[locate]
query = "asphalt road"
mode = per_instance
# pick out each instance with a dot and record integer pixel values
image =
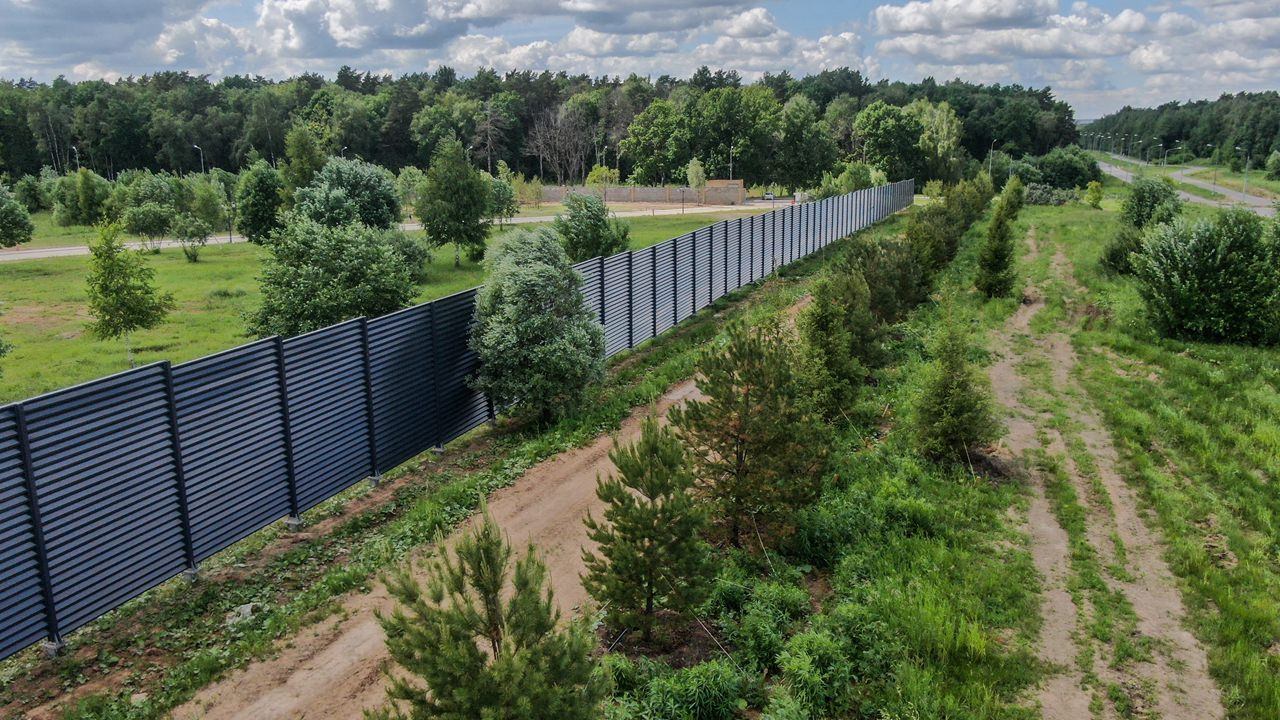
(19, 254)
(1262, 206)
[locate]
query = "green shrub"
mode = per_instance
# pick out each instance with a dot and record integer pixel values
(628, 676)
(951, 412)
(15, 224)
(817, 672)
(784, 706)
(933, 189)
(1068, 168)
(840, 339)
(587, 230)
(192, 234)
(712, 690)
(258, 201)
(1150, 201)
(1212, 280)
(31, 194)
(1272, 166)
(356, 190)
(1093, 195)
(80, 198)
(1117, 254)
(150, 220)
(896, 280)
(768, 617)
(538, 344)
(996, 273)
(1040, 194)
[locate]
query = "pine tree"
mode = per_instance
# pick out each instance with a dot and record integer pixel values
(757, 449)
(650, 554)
(996, 274)
(122, 296)
(952, 409)
(840, 338)
(484, 642)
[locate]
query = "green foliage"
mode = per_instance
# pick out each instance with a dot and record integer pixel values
(934, 231)
(344, 185)
(122, 294)
(258, 201)
(840, 338)
(453, 203)
(712, 690)
(318, 275)
(1042, 194)
(695, 174)
(475, 650)
(1012, 197)
(80, 198)
(933, 189)
(15, 224)
(1213, 280)
(896, 280)
(1067, 168)
(602, 177)
(939, 143)
(207, 201)
(135, 188)
(538, 344)
(853, 176)
(192, 233)
(305, 156)
(150, 220)
(502, 197)
(889, 137)
(805, 150)
(587, 230)
(758, 451)
(1117, 255)
(1150, 201)
(997, 275)
(31, 194)
(1272, 167)
(1093, 195)
(817, 672)
(408, 182)
(657, 143)
(651, 556)
(951, 412)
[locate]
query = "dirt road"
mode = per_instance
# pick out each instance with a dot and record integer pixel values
(335, 670)
(1162, 670)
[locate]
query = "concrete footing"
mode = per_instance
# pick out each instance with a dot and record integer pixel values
(293, 523)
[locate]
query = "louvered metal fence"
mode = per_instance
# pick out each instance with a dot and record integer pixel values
(111, 487)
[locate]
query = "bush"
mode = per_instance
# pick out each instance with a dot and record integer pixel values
(31, 194)
(414, 251)
(817, 673)
(951, 412)
(15, 224)
(1068, 168)
(80, 198)
(317, 276)
(1117, 255)
(258, 201)
(453, 203)
(784, 706)
(538, 344)
(587, 230)
(712, 690)
(767, 618)
(192, 234)
(122, 295)
(996, 274)
(1038, 194)
(150, 220)
(1213, 280)
(630, 675)
(896, 281)
(1150, 201)
(1093, 195)
(933, 189)
(840, 341)
(368, 190)
(330, 206)
(1272, 166)
(851, 177)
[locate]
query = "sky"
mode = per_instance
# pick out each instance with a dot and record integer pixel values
(1098, 55)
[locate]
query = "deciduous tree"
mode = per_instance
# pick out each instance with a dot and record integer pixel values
(122, 295)
(258, 201)
(453, 203)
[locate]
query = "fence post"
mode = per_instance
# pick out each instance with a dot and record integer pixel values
(600, 285)
(653, 284)
(53, 645)
(631, 301)
(376, 477)
(693, 274)
(294, 520)
(740, 252)
(438, 447)
(180, 478)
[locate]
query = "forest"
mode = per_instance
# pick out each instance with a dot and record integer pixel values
(1231, 130)
(547, 124)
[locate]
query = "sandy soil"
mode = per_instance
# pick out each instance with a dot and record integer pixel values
(335, 670)
(1175, 683)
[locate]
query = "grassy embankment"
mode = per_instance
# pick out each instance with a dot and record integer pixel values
(43, 309)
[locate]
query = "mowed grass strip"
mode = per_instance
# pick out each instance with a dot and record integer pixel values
(44, 310)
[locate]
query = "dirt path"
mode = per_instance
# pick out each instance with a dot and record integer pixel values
(335, 669)
(1171, 680)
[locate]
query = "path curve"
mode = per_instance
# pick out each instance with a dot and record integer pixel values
(1259, 205)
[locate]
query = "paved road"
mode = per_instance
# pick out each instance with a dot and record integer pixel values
(17, 254)
(1262, 206)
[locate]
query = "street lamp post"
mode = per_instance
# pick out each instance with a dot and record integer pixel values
(201, 156)
(343, 151)
(76, 150)
(1247, 157)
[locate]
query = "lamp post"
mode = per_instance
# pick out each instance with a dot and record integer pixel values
(201, 156)
(76, 150)
(343, 151)
(1247, 157)
(990, 153)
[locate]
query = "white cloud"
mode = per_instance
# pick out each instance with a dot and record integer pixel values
(945, 16)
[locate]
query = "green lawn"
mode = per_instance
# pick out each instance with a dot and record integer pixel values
(43, 307)
(1258, 183)
(50, 234)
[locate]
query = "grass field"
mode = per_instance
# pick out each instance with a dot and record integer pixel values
(1258, 183)
(1197, 427)
(43, 307)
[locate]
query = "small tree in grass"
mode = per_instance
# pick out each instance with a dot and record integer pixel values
(951, 412)
(149, 220)
(696, 174)
(502, 197)
(482, 639)
(996, 273)
(192, 234)
(840, 341)
(650, 554)
(318, 275)
(602, 177)
(15, 223)
(757, 449)
(539, 346)
(587, 231)
(1093, 195)
(258, 201)
(122, 296)
(453, 203)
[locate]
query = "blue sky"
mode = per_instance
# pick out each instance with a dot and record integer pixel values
(1099, 55)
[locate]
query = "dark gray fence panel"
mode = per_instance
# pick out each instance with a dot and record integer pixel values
(644, 281)
(591, 290)
(665, 289)
(461, 409)
(617, 303)
(685, 277)
(402, 375)
(230, 415)
(769, 251)
(328, 410)
(22, 600)
(734, 277)
(104, 466)
(702, 267)
(719, 254)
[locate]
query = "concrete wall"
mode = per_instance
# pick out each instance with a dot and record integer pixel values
(643, 194)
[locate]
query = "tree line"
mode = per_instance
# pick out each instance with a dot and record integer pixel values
(551, 125)
(1231, 129)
